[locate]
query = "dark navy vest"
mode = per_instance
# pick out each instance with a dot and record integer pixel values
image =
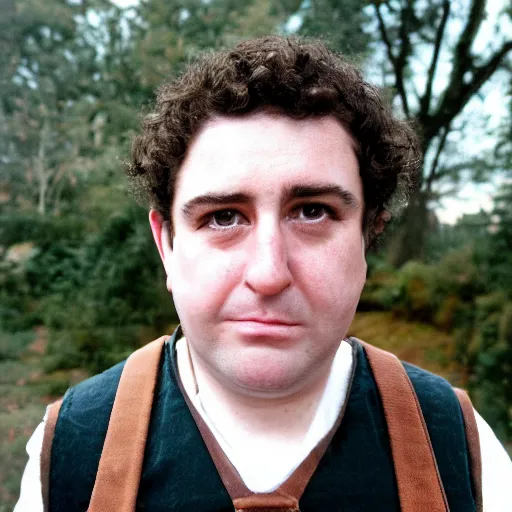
(355, 475)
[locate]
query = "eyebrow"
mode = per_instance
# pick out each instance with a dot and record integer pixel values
(301, 191)
(290, 193)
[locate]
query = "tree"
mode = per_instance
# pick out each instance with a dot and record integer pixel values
(41, 82)
(168, 33)
(66, 82)
(412, 32)
(339, 23)
(434, 59)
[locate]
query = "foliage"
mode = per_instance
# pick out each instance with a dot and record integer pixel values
(467, 292)
(417, 343)
(341, 24)
(492, 339)
(97, 293)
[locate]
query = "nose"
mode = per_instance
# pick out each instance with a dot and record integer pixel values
(267, 270)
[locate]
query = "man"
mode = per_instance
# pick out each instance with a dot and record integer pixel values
(269, 169)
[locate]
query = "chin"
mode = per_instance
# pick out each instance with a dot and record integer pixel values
(264, 375)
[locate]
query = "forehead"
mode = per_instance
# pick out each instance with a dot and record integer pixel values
(263, 152)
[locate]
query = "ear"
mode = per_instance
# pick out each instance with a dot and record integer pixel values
(381, 221)
(376, 224)
(160, 230)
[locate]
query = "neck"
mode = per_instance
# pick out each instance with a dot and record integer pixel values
(284, 419)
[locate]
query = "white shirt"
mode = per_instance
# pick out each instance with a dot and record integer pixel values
(267, 470)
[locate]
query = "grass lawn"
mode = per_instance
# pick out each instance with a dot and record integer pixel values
(415, 343)
(24, 393)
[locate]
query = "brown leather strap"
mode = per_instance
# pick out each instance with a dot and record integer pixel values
(46, 451)
(419, 484)
(473, 445)
(274, 502)
(120, 466)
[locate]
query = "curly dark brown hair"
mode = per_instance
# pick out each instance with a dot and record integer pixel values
(300, 78)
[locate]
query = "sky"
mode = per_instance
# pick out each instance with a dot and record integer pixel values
(471, 197)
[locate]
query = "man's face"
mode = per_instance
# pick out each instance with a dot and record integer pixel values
(268, 263)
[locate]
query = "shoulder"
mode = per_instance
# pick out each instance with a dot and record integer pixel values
(90, 400)
(78, 439)
(86, 407)
(431, 389)
(445, 424)
(437, 399)
(439, 403)
(93, 394)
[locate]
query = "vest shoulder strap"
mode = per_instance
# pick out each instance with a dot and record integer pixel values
(419, 485)
(475, 456)
(401, 406)
(120, 466)
(46, 451)
(118, 476)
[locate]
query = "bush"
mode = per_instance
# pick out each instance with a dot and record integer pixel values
(96, 292)
(109, 293)
(381, 291)
(448, 312)
(92, 349)
(13, 345)
(456, 295)
(42, 231)
(416, 282)
(490, 354)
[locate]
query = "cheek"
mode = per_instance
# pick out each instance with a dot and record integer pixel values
(202, 278)
(337, 278)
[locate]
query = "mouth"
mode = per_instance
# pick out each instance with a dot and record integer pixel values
(265, 328)
(266, 321)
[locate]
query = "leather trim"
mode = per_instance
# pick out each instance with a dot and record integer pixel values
(473, 439)
(297, 482)
(46, 451)
(419, 484)
(120, 466)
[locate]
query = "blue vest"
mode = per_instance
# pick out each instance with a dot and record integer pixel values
(355, 474)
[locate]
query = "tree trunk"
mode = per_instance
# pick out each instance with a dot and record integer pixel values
(408, 243)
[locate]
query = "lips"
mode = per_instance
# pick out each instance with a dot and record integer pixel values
(265, 329)
(267, 321)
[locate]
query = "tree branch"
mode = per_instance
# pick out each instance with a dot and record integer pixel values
(427, 97)
(463, 58)
(433, 169)
(471, 165)
(405, 50)
(398, 62)
(482, 73)
(462, 62)
(384, 34)
(39, 165)
(457, 96)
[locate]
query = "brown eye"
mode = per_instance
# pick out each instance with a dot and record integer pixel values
(223, 219)
(313, 211)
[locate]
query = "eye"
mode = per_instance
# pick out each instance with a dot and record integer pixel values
(313, 212)
(222, 219)
(230, 219)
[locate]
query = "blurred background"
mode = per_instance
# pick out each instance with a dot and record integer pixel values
(81, 285)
